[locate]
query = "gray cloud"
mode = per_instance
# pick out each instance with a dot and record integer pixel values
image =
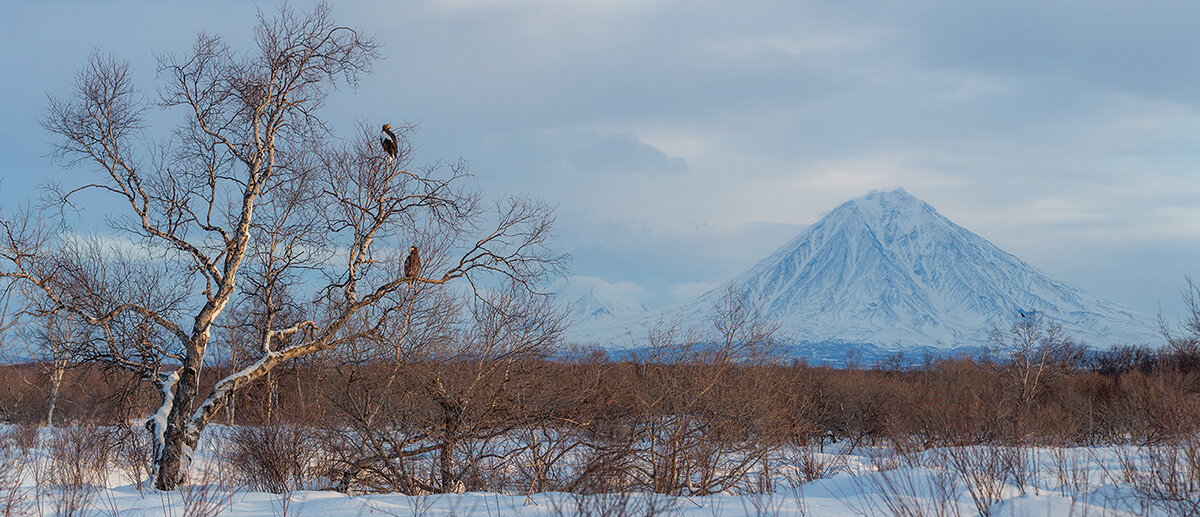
(621, 153)
(670, 133)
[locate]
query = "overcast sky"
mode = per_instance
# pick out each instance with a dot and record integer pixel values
(684, 140)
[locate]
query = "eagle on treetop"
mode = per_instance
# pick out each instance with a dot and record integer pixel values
(388, 139)
(412, 265)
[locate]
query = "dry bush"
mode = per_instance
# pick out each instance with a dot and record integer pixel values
(618, 504)
(767, 504)
(210, 492)
(1071, 417)
(542, 453)
(132, 453)
(805, 464)
(1070, 472)
(959, 404)
(14, 499)
(16, 397)
(907, 492)
(373, 406)
(604, 465)
(14, 460)
(1122, 359)
(24, 436)
(946, 402)
(208, 495)
(424, 404)
(1157, 407)
(863, 402)
(1166, 476)
(983, 469)
(276, 459)
(79, 466)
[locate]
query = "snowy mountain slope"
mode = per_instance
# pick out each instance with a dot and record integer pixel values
(888, 270)
(591, 306)
(594, 300)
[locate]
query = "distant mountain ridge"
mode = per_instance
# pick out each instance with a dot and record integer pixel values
(593, 300)
(591, 306)
(887, 270)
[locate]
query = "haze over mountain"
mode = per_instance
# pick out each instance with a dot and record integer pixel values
(888, 270)
(591, 299)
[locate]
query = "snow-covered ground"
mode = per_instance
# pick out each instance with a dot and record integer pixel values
(1117, 480)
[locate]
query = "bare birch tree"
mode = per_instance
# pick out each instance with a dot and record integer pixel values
(51, 342)
(1032, 348)
(251, 200)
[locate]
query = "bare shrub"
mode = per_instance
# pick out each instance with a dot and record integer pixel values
(1031, 353)
(982, 469)
(605, 465)
(79, 466)
(762, 504)
(947, 402)
(1020, 465)
(805, 464)
(885, 458)
(1070, 472)
(541, 456)
(132, 454)
(1166, 476)
(24, 436)
(53, 341)
(555, 427)
(14, 498)
(207, 498)
(459, 377)
(619, 504)
(274, 459)
(210, 493)
(907, 492)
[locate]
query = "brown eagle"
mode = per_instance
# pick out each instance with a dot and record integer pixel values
(412, 265)
(388, 139)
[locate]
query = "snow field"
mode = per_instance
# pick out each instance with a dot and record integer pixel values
(37, 478)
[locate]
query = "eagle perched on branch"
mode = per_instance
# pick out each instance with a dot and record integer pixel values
(412, 265)
(388, 139)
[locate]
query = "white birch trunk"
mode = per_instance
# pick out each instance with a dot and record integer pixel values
(156, 424)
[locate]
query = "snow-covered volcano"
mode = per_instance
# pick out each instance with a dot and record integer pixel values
(593, 300)
(890, 271)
